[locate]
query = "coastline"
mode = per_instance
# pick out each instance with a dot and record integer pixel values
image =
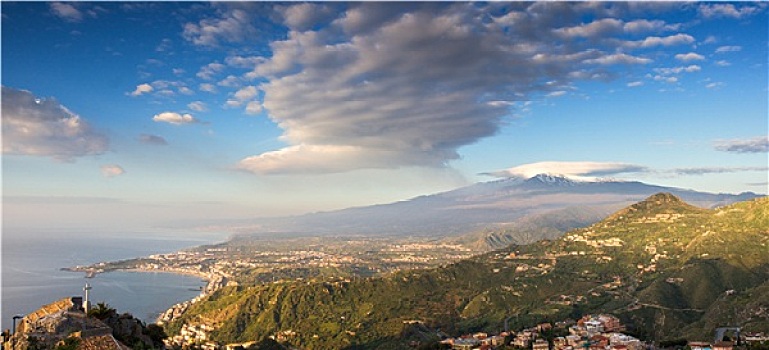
(214, 278)
(33, 275)
(214, 282)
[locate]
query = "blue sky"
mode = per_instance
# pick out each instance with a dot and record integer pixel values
(146, 114)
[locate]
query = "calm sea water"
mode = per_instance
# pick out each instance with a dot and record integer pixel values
(31, 275)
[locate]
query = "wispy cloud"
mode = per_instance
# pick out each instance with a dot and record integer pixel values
(43, 127)
(66, 11)
(112, 170)
(723, 49)
(758, 144)
(152, 140)
(197, 106)
(715, 170)
(730, 10)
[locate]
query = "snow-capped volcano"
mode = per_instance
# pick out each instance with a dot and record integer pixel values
(557, 180)
(488, 204)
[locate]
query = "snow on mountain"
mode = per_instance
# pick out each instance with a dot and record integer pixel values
(483, 205)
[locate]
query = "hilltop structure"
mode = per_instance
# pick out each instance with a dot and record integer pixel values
(60, 321)
(72, 323)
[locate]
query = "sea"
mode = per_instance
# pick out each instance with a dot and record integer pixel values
(32, 275)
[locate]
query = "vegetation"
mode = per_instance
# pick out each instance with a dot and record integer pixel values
(667, 269)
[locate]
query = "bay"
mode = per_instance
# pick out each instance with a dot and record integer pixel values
(31, 275)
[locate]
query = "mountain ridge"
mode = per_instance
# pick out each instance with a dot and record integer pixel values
(481, 206)
(644, 270)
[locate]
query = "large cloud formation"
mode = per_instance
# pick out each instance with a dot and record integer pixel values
(386, 85)
(43, 127)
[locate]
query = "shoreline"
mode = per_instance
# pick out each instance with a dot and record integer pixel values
(214, 281)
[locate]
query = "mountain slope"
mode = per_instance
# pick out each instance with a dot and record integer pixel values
(485, 206)
(661, 265)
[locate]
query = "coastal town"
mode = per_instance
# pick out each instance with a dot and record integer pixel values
(591, 332)
(252, 262)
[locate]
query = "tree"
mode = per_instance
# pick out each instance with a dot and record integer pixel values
(102, 311)
(156, 333)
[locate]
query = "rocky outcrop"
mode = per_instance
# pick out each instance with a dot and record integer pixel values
(65, 322)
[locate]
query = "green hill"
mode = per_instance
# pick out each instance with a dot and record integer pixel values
(664, 267)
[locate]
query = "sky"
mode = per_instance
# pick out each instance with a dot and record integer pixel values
(148, 114)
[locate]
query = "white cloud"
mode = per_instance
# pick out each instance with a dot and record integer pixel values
(715, 170)
(186, 91)
(174, 118)
(229, 81)
(305, 15)
(758, 144)
(233, 24)
(670, 80)
(556, 93)
(67, 12)
(714, 85)
(728, 10)
(691, 56)
(728, 48)
(43, 127)
(165, 45)
(677, 70)
(419, 80)
(643, 25)
(596, 28)
(207, 87)
(246, 93)
(208, 71)
(575, 170)
(243, 62)
(246, 96)
(635, 83)
(112, 170)
(254, 107)
(197, 106)
(142, 89)
(319, 159)
(652, 41)
(619, 58)
(723, 63)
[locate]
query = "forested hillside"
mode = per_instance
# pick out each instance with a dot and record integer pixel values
(667, 269)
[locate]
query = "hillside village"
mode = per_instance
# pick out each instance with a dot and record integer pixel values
(52, 327)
